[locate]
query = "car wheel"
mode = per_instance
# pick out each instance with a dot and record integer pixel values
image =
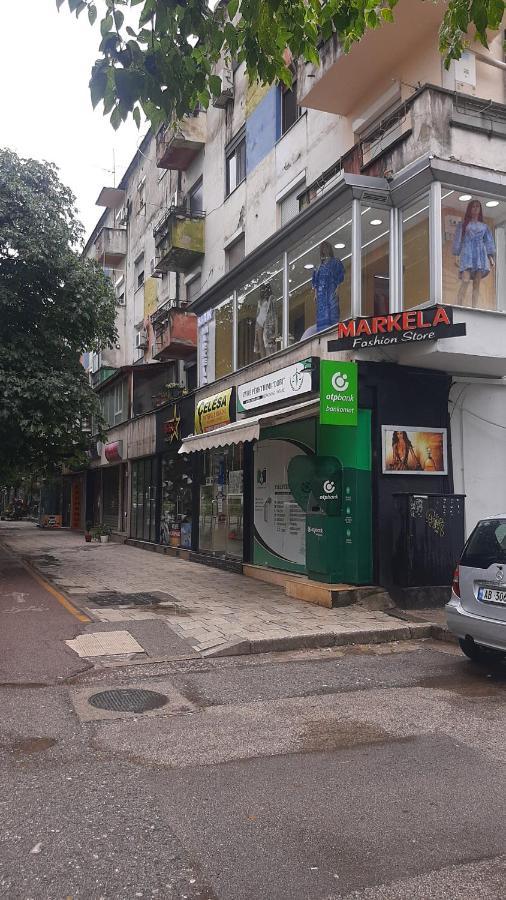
(474, 651)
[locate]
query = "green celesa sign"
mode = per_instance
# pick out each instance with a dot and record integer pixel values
(338, 393)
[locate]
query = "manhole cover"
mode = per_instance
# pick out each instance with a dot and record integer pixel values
(128, 700)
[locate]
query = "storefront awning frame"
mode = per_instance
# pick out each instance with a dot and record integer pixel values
(247, 429)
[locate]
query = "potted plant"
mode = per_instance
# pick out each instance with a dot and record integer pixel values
(101, 533)
(87, 532)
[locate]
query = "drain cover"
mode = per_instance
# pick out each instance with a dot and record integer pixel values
(133, 700)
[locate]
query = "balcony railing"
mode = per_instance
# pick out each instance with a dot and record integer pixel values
(111, 247)
(179, 240)
(178, 144)
(177, 336)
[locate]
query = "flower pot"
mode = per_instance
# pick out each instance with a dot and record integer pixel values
(87, 537)
(104, 538)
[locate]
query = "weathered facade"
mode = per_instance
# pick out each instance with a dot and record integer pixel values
(242, 236)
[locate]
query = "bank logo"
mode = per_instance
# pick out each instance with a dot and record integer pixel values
(340, 382)
(329, 487)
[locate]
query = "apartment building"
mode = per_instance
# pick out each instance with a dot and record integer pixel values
(351, 229)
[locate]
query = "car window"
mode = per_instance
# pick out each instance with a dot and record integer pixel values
(486, 545)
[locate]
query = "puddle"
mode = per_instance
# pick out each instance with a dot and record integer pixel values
(324, 736)
(27, 746)
(47, 560)
(469, 684)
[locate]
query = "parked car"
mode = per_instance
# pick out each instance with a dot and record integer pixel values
(476, 612)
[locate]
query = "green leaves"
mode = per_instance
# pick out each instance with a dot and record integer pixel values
(174, 46)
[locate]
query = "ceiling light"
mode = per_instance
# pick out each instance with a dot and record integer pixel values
(339, 246)
(464, 198)
(308, 266)
(491, 203)
(376, 221)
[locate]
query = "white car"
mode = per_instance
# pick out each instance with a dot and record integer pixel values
(476, 612)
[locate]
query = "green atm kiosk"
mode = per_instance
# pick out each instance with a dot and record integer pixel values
(333, 487)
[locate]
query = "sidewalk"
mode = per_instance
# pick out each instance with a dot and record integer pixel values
(174, 608)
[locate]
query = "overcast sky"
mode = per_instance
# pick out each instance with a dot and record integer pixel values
(45, 107)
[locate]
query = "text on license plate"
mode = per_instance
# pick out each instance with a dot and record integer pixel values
(489, 595)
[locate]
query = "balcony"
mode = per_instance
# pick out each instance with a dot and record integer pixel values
(111, 247)
(179, 240)
(178, 144)
(177, 337)
(344, 82)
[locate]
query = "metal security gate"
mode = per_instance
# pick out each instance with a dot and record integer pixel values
(144, 499)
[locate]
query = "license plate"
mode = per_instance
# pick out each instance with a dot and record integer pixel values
(489, 595)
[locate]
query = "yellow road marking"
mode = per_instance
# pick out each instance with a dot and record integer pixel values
(56, 594)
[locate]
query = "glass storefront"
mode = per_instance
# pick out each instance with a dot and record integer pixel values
(260, 315)
(176, 501)
(221, 501)
(319, 279)
(375, 239)
(416, 252)
(216, 342)
(143, 499)
(474, 244)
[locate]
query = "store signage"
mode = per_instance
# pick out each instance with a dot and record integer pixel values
(420, 325)
(215, 411)
(282, 384)
(338, 393)
(171, 427)
(114, 451)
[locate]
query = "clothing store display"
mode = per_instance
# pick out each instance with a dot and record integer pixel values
(326, 280)
(266, 324)
(474, 248)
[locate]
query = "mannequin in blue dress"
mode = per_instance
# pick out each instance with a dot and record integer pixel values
(474, 248)
(326, 280)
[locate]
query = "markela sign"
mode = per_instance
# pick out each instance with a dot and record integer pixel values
(364, 333)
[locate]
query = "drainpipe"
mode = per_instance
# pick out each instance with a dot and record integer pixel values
(489, 60)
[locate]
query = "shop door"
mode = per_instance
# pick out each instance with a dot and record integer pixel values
(110, 490)
(221, 503)
(144, 495)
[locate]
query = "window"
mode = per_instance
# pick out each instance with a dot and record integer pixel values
(234, 254)
(289, 206)
(260, 314)
(139, 271)
(193, 289)
(375, 227)
(235, 162)
(474, 248)
(415, 252)
(320, 279)
(196, 197)
(290, 112)
(114, 404)
(141, 196)
(216, 342)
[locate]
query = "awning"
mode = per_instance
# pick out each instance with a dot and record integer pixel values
(245, 430)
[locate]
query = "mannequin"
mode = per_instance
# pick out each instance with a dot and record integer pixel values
(326, 279)
(266, 324)
(474, 248)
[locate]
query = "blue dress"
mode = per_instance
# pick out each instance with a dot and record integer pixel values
(474, 248)
(325, 280)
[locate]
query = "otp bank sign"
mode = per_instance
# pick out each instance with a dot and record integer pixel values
(338, 393)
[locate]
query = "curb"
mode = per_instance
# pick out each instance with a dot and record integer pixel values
(409, 631)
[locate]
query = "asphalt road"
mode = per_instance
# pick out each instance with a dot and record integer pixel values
(371, 773)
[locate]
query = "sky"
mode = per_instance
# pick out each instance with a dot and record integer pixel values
(45, 107)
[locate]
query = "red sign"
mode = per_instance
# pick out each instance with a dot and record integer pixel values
(428, 324)
(114, 451)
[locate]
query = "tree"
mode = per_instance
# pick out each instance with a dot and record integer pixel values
(159, 56)
(54, 305)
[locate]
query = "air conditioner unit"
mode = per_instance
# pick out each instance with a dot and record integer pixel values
(141, 340)
(152, 268)
(227, 89)
(122, 215)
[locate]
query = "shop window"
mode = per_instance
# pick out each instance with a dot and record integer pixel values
(235, 162)
(260, 315)
(473, 230)
(375, 230)
(176, 501)
(319, 279)
(415, 253)
(221, 502)
(216, 342)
